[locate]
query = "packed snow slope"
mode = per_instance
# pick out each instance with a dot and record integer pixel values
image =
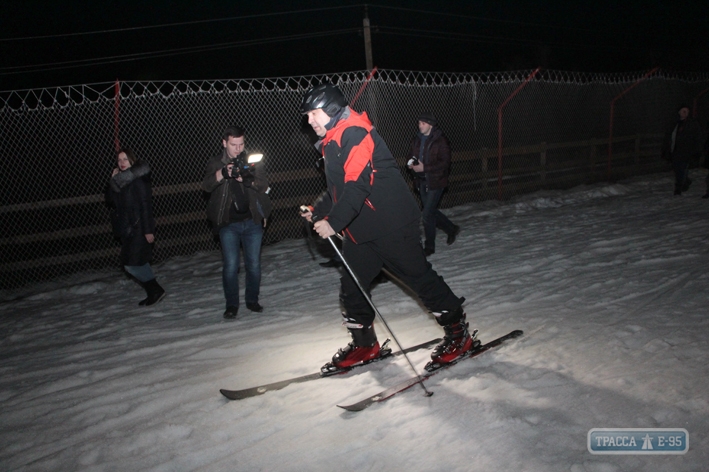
(608, 282)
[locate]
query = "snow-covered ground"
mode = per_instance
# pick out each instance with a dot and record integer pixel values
(609, 283)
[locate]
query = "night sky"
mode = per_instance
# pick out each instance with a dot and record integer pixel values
(44, 44)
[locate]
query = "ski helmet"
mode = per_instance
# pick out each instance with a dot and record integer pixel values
(325, 96)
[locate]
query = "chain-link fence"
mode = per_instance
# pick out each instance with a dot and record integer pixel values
(58, 148)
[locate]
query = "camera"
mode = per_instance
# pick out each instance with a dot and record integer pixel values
(244, 166)
(414, 161)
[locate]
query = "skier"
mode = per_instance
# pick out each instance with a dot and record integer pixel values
(369, 202)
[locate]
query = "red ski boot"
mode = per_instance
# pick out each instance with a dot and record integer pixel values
(363, 348)
(456, 343)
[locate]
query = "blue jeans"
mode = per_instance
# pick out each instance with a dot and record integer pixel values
(247, 234)
(432, 216)
(142, 273)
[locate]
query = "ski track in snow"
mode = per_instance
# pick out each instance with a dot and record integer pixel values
(607, 281)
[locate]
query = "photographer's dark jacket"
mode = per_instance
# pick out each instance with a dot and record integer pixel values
(367, 196)
(436, 158)
(129, 193)
(683, 141)
(224, 194)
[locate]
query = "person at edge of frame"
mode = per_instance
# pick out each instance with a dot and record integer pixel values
(369, 202)
(683, 142)
(706, 161)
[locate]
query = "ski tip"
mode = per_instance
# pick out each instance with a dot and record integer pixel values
(516, 333)
(353, 408)
(226, 393)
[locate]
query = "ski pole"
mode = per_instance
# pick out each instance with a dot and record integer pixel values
(309, 241)
(371, 303)
(304, 209)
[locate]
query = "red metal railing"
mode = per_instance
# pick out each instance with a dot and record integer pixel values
(694, 104)
(499, 130)
(364, 85)
(610, 127)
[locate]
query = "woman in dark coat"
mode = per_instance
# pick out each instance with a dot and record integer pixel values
(130, 193)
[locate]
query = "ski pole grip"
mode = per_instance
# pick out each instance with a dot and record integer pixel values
(305, 209)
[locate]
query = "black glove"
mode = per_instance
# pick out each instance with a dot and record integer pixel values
(225, 173)
(248, 179)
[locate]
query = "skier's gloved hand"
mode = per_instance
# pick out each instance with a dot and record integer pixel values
(306, 212)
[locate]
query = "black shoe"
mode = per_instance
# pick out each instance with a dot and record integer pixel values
(428, 251)
(155, 293)
(453, 235)
(231, 312)
(254, 307)
(706, 195)
(331, 263)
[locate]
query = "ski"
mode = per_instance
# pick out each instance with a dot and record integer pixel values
(406, 384)
(260, 390)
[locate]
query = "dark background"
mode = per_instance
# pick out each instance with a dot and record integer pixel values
(44, 44)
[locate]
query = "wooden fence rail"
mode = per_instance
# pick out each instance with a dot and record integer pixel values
(474, 178)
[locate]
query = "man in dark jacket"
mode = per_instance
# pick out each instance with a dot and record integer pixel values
(683, 143)
(430, 159)
(369, 202)
(238, 208)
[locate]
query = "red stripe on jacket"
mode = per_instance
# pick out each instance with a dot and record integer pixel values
(361, 154)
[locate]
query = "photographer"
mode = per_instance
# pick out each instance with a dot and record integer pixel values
(238, 209)
(430, 159)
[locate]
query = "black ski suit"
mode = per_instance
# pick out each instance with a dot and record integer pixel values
(368, 200)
